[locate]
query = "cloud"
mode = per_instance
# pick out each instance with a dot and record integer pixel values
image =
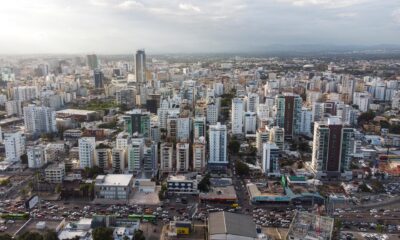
(129, 5)
(347, 15)
(324, 3)
(189, 7)
(396, 16)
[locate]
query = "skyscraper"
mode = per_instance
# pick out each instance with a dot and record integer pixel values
(92, 61)
(87, 146)
(14, 144)
(288, 113)
(138, 122)
(237, 115)
(140, 61)
(332, 148)
(98, 78)
(270, 156)
(218, 143)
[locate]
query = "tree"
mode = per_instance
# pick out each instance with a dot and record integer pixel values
(139, 235)
(58, 188)
(304, 147)
(102, 233)
(50, 235)
(242, 168)
(234, 146)
(31, 236)
(204, 184)
(161, 193)
(24, 159)
(366, 117)
(5, 237)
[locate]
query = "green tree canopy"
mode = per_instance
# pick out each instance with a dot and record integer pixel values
(102, 233)
(242, 168)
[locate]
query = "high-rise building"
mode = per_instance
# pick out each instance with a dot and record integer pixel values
(217, 144)
(270, 159)
(199, 155)
(87, 145)
(150, 157)
(199, 128)
(102, 158)
(137, 122)
(250, 122)
(237, 116)
(118, 160)
(39, 119)
(92, 61)
(288, 113)
(277, 136)
(252, 102)
(262, 136)
(14, 107)
(14, 144)
(182, 157)
(166, 157)
(140, 70)
(305, 123)
(35, 156)
(333, 147)
(98, 78)
(183, 129)
(212, 112)
(135, 155)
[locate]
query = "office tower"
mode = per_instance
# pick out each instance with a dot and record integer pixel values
(125, 97)
(87, 145)
(199, 155)
(288, 113)
(199, 128)
(166, 157)
(135, 155)
(237, 116)
(39, 119)
(252, 102)
(217, 144)
(92, 61)
(305, 122)
(102, 158)
(98, 78)
(140, 61)
(182, 157)
(155, 132)
(35, 156)
(270, 159)
(212, 112)
(118, 160)
(137, 122)
(250, 122)
(262, 136)
(14, 144)
(150, 157)
(183, 129)
(333, 147)
(277, 136)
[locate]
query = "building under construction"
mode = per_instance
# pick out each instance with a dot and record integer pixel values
(310, 226)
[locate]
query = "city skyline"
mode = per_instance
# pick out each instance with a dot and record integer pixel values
(120, 26)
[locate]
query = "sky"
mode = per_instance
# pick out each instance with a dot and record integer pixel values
(196, 26)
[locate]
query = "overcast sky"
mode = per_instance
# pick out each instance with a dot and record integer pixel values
(175, 26)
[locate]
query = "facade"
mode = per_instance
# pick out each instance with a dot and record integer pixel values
(55, 173)
(182, 157)
(237, 113)
(333, 147)
(305, 122)
(87, 145)
(138, 122)
(217, 144)
(102, 158)
(181, 184)
(14, 144)
(166, 157)
(118, 160)
(252, 102)
(250, 122)
(199, 156)
(183, 129)
(288, 113)
(35, 156)
(135, 155)
(113, 187)
(199, 128)
(270, 159)
(92, 61)
(277, 136)
(212, 112)
(39, 119)
(262, 136)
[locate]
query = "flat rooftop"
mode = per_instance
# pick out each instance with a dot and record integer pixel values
(311, 226)
(227, 193)
(75, 112)
(114, 179)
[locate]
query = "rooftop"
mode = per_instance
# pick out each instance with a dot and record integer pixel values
(75, 112)
(231, 223)
(311, 226)
(114, 179)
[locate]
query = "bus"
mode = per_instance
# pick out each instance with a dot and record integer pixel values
(15, 216)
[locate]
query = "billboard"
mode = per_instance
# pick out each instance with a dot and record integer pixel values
(31, 202)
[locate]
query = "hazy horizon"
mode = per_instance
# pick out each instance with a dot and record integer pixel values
(224, 26)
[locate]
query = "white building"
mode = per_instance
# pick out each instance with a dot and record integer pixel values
(270, 159)
(217, 144)
(14, 108)
(55, 173)
(181, 184)
(362, 100)
(237, 112)
(277, 136)
(252, 102)
(135, 155)
(113, 186)
(123, 140)
(199, 156)
(87, 145)
(212, 112)
(14, 144)
(35, 156)
(262, 136)
(182, 157)
(39, 119)
(183, 130)
(166, 157)
(250, 122)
